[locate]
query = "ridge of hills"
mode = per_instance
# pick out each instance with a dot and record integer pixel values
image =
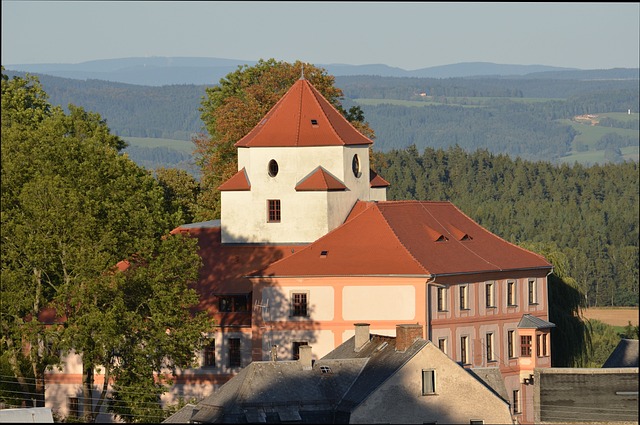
(158, 71)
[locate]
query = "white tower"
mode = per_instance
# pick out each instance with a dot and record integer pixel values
(300, 171)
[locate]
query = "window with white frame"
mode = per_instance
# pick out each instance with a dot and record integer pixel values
(541, 345)
(442, 344)
(464, 297)
(516, 401)
(464, 349)
(533, 291)
(428, 381)
(511, 293)
(442, 298)
(489, 346)
(511, 349)
(299, 304)
(273, 210)
(490, 299)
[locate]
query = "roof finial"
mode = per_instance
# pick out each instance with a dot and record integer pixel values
(302, 72)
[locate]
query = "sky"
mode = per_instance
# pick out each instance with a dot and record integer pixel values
(407, 35)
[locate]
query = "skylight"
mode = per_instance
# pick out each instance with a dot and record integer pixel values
(325, 369)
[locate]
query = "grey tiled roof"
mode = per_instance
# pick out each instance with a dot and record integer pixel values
(182, 416)
(201, 224)
(624, 355)
(491, 378)
(532, 322)
(382, 362)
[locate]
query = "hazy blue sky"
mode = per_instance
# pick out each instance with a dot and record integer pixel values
(406, 35)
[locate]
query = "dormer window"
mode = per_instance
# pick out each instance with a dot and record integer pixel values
(273, 168)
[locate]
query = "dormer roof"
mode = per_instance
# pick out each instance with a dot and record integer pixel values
(303, 117)
(320, 180)
(239, 181)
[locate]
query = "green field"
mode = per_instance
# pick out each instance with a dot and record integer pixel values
(179, 145)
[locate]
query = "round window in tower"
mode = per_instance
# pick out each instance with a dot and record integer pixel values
(273, 168)
(355, 166)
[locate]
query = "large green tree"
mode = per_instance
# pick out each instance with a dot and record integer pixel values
(88, 264)
(233, 107)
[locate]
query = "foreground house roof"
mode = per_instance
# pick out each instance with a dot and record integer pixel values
(624, 355)
(303, 117)
(406, 238)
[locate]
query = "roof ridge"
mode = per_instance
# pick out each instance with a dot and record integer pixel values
(300, 81)
(315, 93)
(377, 207)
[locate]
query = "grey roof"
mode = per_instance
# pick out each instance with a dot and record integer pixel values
(202, 225)
(183, 415)
(491, 378)
(624, 355)
(27, 415)
(382, 362)
(532, 322)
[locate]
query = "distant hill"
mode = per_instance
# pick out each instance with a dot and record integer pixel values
(158, 71)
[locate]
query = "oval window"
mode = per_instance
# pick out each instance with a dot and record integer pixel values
(355, 166)
(273, 168)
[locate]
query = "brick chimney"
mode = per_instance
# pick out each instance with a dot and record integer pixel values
(305, 357)
(362, 336)
(406, 334)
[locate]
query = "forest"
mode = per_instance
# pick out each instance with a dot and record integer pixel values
(589, 214)
(492, 146)
(523, 116)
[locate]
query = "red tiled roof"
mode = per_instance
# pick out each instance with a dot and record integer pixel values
(376, 181)
(239, 181)
(320, 180)
(303, 117)
(403, 238)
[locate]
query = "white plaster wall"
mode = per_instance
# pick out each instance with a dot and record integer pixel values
(382, 303)
(378, 194)
(305, 216)
(321, 342)
(320, 301)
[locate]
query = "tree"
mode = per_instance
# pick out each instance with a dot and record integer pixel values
(180, 192)
(231, 109)
(73, 207)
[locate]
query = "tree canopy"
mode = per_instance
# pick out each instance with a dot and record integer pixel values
(88, 264)
(231, 109)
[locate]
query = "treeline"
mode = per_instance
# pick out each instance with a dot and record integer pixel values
(167, 112)
(373, 87)
(589, 213)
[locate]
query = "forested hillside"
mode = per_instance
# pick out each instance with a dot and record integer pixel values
(589, 213)
(524, 116)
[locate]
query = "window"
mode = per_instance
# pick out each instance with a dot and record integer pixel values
(273, 168)
(210, 354)
(274, 210)
(229, 303)
(516, 401)
(299, 302)
(510, 344)
(525, 346)
(428, 381)
(74, 407)
(511, 293)
(541, 345)
(490, 297)
(489, 341)
(464, 349)
(442, 344)
(355, 166)
(533, 299)
(295, 349)
(442, 299)
(235, 359)
(464, 297)
(476, 421)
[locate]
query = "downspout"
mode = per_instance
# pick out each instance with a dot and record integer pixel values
(428, 284)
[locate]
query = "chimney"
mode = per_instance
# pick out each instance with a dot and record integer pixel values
(305, 357)
(406, 334)
(362, 336)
